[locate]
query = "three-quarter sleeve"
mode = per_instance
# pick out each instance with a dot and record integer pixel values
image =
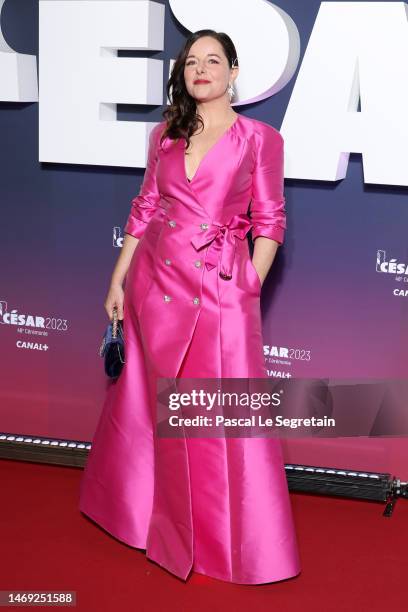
(267, 207)
(144, 205)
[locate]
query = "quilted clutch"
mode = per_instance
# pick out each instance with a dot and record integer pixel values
(112, 349)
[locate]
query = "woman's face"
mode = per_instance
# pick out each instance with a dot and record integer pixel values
(206, 71)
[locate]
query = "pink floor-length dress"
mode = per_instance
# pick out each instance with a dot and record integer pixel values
(217, 506)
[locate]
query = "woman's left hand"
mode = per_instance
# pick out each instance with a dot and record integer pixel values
(263, 256)
(260, 276)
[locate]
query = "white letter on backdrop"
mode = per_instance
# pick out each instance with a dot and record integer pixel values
(82, 79)
(357, 50)
(18, 71)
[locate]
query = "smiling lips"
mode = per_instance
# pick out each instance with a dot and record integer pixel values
(200, 82)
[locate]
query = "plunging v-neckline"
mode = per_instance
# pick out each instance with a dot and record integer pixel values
(190, 180)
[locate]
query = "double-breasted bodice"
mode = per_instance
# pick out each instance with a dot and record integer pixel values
(189, 228)
(243, 168)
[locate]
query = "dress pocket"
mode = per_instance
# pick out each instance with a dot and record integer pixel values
(255, 274)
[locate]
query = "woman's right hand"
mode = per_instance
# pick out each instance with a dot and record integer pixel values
(115, 297)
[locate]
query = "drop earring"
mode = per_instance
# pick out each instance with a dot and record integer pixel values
(231, 91)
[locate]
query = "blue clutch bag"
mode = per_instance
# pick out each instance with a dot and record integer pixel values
(112, 349)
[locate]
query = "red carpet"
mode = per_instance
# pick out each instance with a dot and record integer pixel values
(353, 559)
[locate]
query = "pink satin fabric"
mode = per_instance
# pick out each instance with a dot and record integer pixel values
(217, 506)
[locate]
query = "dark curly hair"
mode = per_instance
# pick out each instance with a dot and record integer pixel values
(181, 115)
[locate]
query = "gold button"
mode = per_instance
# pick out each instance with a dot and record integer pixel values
(197, 263)
(172, 223)
(196, 300)
(167, 262)
(167, 298)
(204, 226)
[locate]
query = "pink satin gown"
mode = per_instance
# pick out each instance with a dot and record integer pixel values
(217, 506)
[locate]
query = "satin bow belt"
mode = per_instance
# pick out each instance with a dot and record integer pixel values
(222, 240)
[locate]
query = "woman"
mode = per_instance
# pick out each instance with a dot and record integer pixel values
(191, 308)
